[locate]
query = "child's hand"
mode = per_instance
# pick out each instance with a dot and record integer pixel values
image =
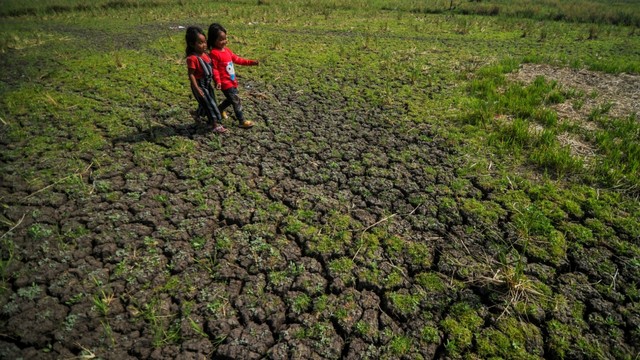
(257, 62)
(201, 92)
(218, 86)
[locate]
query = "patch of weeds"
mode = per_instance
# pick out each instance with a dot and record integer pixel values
(164, 327)
(619, 143)
(75, 299)
(367, 245)
(430, 282)
(102, 302)
(394, 278)
(492, 342)
(32, 292)
(572, 208)
(551, 210)
(198, 170)
(325, 245)
(108, 331)
(486, 213)
(513, 136)
(217, 305)
(599, 229)
(430, 334)
(273, 212)
(459, 327)
(39, 231)
(210, 264)
(538, 236)
(557, 159)
(70, 322)
(76, 233)
(393, 245)
(321, 303)
(263, 253)
(342, 268)
(172, 284)
(198, 242)
(579, 234)
(197, 328)
(370, 274)
(567, 341)
(363, 328)
(632, 291)
(300, 303)
(420, 255)
(399, 346)
(102, 186)
(404, 304)
(75, 186)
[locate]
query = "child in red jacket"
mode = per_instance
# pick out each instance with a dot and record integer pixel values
(224, 74)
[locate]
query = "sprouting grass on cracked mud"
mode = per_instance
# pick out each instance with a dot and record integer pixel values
(424, 181)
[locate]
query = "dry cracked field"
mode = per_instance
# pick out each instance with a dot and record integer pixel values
(321, 233)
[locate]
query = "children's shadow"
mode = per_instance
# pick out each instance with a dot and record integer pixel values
(161, 131)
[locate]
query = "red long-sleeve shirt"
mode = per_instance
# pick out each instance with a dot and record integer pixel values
(194, 64)
(223, 70)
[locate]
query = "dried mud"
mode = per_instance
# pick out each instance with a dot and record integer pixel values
(236, 247)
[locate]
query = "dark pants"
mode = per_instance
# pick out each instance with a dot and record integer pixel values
(233, 99)
(207, 104)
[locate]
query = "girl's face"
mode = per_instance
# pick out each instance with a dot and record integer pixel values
(200, 45)
(221, 42)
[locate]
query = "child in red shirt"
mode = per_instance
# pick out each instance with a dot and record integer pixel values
(200, 77)
(224, 72)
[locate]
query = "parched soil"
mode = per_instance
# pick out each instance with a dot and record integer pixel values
(320, 233)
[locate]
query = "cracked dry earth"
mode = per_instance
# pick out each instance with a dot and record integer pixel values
(317, 234)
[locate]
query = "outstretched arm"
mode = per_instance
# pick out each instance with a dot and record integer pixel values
(242, 61)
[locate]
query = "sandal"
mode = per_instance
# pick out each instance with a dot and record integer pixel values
(246, 124)
(219, 129)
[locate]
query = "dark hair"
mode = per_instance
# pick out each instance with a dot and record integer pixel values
(214, 32)
(191, 37)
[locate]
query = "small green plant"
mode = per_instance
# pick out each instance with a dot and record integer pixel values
(197, 328)
(405, 304)
(459, 327)
(75, 299)
(32, 292)
(430, 334)
(198, 242)
(102, 302)
(300, 303)
(400, 345)
(362, 328)
(210, 264)
(39, 231)
(108, 331)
